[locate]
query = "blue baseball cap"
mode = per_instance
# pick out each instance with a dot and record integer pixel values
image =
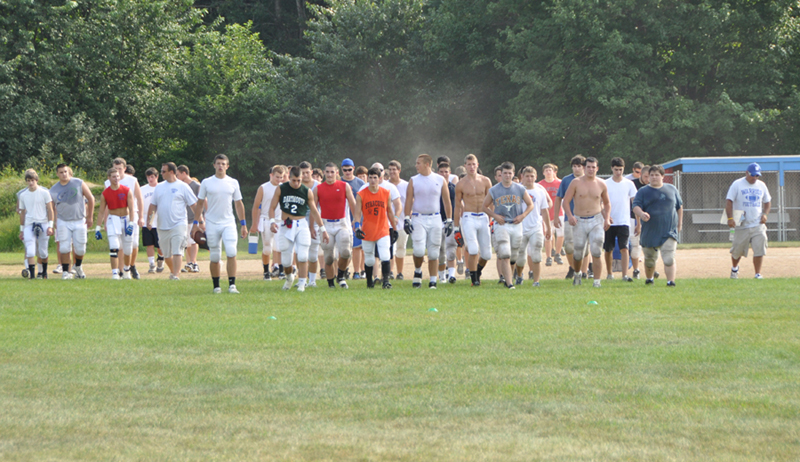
(754, 169)
(348, 163)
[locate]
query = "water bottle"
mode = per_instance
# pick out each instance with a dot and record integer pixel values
(732, 232)
(252, 244)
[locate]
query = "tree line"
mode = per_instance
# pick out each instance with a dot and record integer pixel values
(278, 81)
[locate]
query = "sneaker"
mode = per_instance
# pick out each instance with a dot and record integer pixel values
(399, 276)
(343, 284)
(267, 276)
(355, 276)
(596, 283)
(217, 290)
(558, 259)
(476, 283)
(152, 269)
(670, 283)
(576, 279)
(301, 288)
(160, 266)
(759, 276)
(72, 271)
(734, 274)
(323, 274)
(553, 253)
(311, 284)
(417, 281)
(134, 272)
(570, 273)
(376, 281)
(511, 287)
(172, 277)
(636, 274)
(391, 275)
(363, 275)
(126, 274)
(466, 274)
(590, 273)
(26, 273)
(116, 277)
(452, 280)
(289, 281)
(66, 275)
(518, 281)
(186, 268)
(79, 272)
(58, 270)
(460, 267)
(536, 284)
(648, 281)
(627, 279)
(548, 262)
(563, 252)
(232, 289)
(584, 276)
(281, 275)
(530, 275)
(347, 273)
(656, 275)
(44, 275)
(610, 277)
(276, 272)
(431, 285)
(387, 285)
(501, 280)
(195, 268)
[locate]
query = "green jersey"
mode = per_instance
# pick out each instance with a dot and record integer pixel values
(294, 201)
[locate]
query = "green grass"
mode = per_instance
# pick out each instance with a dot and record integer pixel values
(150, 370)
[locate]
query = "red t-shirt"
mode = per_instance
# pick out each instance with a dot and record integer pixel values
(116, 198)
(332, 199)
(552, 189)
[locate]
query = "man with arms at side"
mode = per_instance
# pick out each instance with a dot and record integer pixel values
(307, 177)
(577, 164)
(117, 211)
(536, 228)
(35, 222)
(508, 211)
(221, 191)
(150, 235)
(296, 202)
(356, 183)
(130, 182)
(170, 199)
(74, 212)
(447, 251)
(402, 237)
(394, 198)
(260, 217)
(636, 225)
(551, 184)
(471, 223)
(335, 199)
(192, 248)
(660, 208)
(750, 196)
(590, 218)
(621, 192)
(372, 205)
(422, 220)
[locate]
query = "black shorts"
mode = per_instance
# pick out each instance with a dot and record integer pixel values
(622, 233)
(150, 237)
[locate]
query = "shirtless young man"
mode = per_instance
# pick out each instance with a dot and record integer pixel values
(590, 218)
(471, 223)
(576, 163)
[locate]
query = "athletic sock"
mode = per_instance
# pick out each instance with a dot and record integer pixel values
(735, 269)
(32, 271)
(160, 258)
(386, 268)
(473, 275)
(451, 272)
(433, 279)
(280, 267)
(266, 268)
(114, 271)
(216, 282)
(78, 262)
(368, 269)
(232, 281)
(127, 268)
(340, 274)
(441, 275)
(301, 282)
(330, 283)
(65, 266)
(480, 270)
(312, 277)
(39, 267)
(151, 260)
(44, 268)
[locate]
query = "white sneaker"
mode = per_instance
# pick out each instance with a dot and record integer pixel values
(172, 277)
(610, 277)
(343, 284)
(289, 280)
(115, 276)
(79, 272)
(66, 275)
(152, 269)
(217, 290)
(759, 276)
(232, 289)
(596, 283)
(126, 275)
(734, 274)
(312, 284)
(72, 271)
(58, 269)
(301, 287)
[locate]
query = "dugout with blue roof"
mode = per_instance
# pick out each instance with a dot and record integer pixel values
(704, 182)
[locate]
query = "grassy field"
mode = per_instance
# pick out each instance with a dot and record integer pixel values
(165, 371)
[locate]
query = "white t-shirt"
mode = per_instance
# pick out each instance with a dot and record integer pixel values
(129, 182)
(268, 192)
(402, 188)
(427, 193)
(171, 200)
(533, 221)
(453, 178)
(220, 194)
(35, 205)
(147, 198)
(749, 198)
(620, 195)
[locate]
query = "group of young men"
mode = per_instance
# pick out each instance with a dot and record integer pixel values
(348, 217)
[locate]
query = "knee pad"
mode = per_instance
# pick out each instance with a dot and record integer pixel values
(650, 257)
(345, 253)
(113, 253)
(668, 257)
(569, 247)
(503, 250)
(215, 255)
(65, 246)
(596, 248)
(451, 253)
(266, 248)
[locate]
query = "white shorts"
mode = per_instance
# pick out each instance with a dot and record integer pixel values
(266, 235)
(402, 241)
(477, 235)
(216, 235)
(509, 240)
(296, 239)
(427, 235)
(557, 232)
(313, 248)
(382, 244)
(589, 233)
(532, 244)
(71, 234)
(172, 241)
(340, 240)
(633, 242)
(115, 228)
(36, 246)
(447, 251)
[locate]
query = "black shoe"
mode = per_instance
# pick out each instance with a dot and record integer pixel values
(399, 276)
(417, 280)
(670, 283)
(590, 273)
(134, 272)
(431, 285)
(276, 273)
(347, 273)
(281, 275)
(636, 274)
(648, 281)
(656, 275)
(391, 275)
(518, 281)
(267, 276)
(476, 283)
(570, 273)
(502, 280)
(627, 278)
(322, 274)
(530, 275)
(586, 275)
(376, 281)
(452, 280)
(387, 284)
(331, 284)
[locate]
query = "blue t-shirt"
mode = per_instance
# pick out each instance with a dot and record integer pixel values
(355, 185)
(562, 191)
(662, 204)
(509, 202)
(452, 189)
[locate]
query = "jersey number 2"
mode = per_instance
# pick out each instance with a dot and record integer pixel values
(294, 209)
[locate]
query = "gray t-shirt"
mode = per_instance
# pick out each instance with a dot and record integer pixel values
(508, 202)
(69, 201)
(195, 187)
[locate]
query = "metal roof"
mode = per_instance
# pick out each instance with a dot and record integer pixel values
(779, 164)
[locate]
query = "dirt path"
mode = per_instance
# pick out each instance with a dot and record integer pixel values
(692, 263)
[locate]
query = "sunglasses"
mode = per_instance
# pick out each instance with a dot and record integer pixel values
(347, 169)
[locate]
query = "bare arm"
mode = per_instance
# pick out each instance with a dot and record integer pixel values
(255, 213)
(409, 197)
(529, 203)
(102, 212)
(197, 209)
(680, 219)
(548, 230)
(459, 206)
(150, 211)
(448, 206)
(606, 209)
(239, 205)
(392, 219)
(557, 212)
(131, 209)
(351, 201)
(765, 214)
(139, 201)
(271, 212)
(357, 210)
(87, 194)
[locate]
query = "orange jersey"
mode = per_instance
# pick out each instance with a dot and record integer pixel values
(373, 210)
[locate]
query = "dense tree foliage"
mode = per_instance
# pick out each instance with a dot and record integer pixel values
(278, 81)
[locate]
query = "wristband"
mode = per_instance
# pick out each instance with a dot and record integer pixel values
(730, 219)
(243, 222)
(196, 222)
(22, 227)
(273, 221)
(50, 224)
(322, 229)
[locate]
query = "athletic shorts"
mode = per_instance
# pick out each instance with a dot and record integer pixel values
(173, 241)
(621, 233)
(150, 237)
(755, 237)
